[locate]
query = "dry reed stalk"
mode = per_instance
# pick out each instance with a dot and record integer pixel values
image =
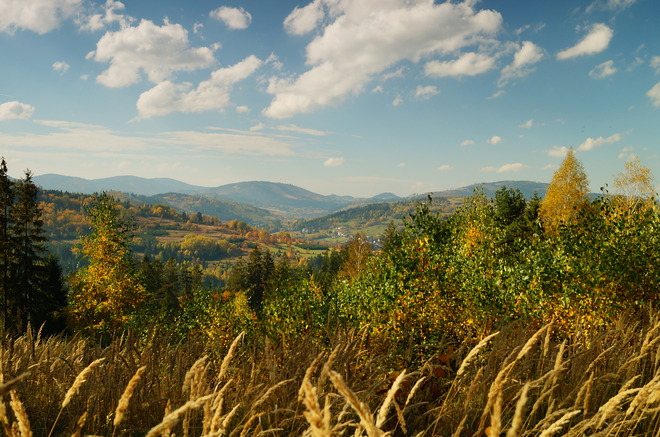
(248, 424)
(191, 375)
(362, 410)
(518, 415)
(400, 417)
(21, 415)
(584, 394)
(385, 408)
(270, 391)
(79, 425)
(174, 417)
(471, 356)
(643, 396)
(126, 396)
(496, 417)
(230, 353)
(461, 426)
(612, 405)
(7, 386)
(413, 390)
(217, 406)
(559, 424)
(494, 390)
(79, 381)
(532, 341)
(327, 366)
(319, 422)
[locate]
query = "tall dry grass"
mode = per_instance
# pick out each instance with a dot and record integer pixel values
(515, 383)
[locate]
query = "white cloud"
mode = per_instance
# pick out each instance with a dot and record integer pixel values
(396, 74)
(397, 101)
(497, 94)
(603, 70)
(304, 20)
(610, 5)
(558, 151)
(234, 18)
(595, 41)
(107, 16)
(528, 55)
(40, 16)
(466, 143)
(655, 63)
(158, 51)
(377, 89)
(303, 130)
(445, 167)
(424, 92)
(15, 110)
(60, 66)
(494, 140)
(527, 125)
(506, 168)
(334, 162)
(242, 109)
(550, 167)
(365, 38)
(212, 94)
(469, 64)
(654, 94)
(626, 153)
(592, 143)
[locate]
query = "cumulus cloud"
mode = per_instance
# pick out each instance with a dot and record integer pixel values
(40, 16)
(60, 66)
(594, 42)
(654, 94)
(655, 63)
(494, 140)
(558, 151)
(15, 110)
(603, 70)
(592, 143)
(626, 153)
(212, 94)
(469, 64)
(528, 124)
(234, 18)
(397, 101)
(466, 143)
(506, 168)
(528, 55)
(305, 19)
(106, 16)
(158, 51)
(424, 92)
(365, 38)
(334, 162)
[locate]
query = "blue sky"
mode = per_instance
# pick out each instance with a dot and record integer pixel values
(350, 97)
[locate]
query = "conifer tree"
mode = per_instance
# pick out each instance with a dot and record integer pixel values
(29, 249)
(6, 243)
(566, 194)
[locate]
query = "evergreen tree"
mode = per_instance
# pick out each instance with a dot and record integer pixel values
(29, 249)
(6, 243)
(566, 194)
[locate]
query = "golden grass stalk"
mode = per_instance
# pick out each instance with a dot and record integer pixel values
(7, 386)
(518, 416)
(362, 410)
(174, 417)
(230, 353)
(21, 415)
(319, 421)
(471, 356)
(126, 396)
(385, 408)
(612, 405)
(559, 424)
(270, 391)
(79, 381)
(79, 425)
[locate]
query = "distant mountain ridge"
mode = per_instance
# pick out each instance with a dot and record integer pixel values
(285, 201)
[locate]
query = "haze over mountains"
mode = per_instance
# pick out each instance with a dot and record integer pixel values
(281, 200)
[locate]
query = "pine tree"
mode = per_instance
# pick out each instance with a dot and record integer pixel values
(29, 247)
(6, 243)
(105, 293)
(566, 194)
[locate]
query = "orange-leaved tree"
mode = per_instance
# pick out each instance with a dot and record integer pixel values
(566, 195)
(106, 292)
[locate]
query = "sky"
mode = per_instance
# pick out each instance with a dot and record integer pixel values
(347, 97)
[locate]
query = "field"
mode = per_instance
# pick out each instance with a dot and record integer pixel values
(512, 383)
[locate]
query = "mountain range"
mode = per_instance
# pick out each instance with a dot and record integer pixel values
(277, 200)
